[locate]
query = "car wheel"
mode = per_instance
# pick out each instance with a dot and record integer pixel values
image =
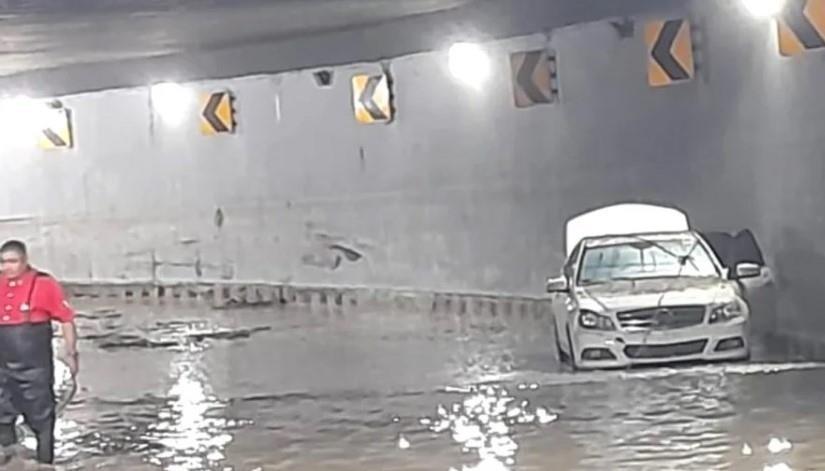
(572, 355)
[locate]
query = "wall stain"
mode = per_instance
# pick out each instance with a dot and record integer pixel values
(351, 255)
(219, 218)
(331, 252)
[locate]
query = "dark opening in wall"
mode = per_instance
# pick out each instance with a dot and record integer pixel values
(323, 78)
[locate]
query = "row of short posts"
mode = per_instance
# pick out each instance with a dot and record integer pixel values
(233, 295)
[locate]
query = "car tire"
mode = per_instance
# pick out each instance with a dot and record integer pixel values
(572, 355)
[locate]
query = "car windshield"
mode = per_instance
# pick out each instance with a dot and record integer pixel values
(640, 258)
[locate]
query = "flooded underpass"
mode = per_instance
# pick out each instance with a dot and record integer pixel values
(182, 388)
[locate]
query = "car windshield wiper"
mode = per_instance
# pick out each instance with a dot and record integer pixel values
(689, 256)
(683, 259)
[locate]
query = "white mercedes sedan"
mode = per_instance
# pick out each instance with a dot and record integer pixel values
(649, 297)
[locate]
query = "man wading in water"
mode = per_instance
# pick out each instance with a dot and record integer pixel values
(29, 301)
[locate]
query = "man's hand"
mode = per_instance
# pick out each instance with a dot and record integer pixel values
(70, 342)
(72, 360)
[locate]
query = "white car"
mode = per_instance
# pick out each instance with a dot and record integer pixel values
(646, 289)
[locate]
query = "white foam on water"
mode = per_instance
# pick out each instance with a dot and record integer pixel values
(779, 445)
(777, 467)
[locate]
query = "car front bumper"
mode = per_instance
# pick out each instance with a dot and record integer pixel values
(717, 342)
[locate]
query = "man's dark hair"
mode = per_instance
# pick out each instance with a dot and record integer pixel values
(13, 246)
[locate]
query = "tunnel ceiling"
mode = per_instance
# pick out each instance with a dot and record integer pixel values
(51, 33)
(58, 46)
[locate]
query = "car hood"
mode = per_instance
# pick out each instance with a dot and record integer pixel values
(623, 295)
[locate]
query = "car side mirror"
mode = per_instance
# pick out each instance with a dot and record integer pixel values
(747, 270)
(557, 285)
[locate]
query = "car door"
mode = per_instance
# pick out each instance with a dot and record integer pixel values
(760, 292)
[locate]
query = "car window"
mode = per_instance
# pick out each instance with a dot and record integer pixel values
(638, 259)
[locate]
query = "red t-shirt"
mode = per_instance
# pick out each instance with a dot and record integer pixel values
(33, 297)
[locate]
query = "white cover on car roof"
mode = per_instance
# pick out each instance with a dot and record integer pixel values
(622, 219)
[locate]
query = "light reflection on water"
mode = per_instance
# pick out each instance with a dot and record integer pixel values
(777, 467)
(483, 424)
(191, 430)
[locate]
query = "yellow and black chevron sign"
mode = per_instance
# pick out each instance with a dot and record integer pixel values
(56, 130)
(532, 75)
(670, 52)
(217, 113)
(801, 27)
(371, 99)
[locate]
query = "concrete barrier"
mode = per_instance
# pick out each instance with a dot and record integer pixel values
(223, 295)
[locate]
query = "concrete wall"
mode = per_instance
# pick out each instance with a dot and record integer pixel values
(461, 192)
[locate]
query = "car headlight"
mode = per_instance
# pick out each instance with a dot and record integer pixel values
(726, 313)
(592, 321)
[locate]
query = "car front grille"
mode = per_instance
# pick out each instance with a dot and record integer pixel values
(672, 350)
(662, 318)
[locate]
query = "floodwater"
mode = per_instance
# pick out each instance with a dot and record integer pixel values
(183, 389)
